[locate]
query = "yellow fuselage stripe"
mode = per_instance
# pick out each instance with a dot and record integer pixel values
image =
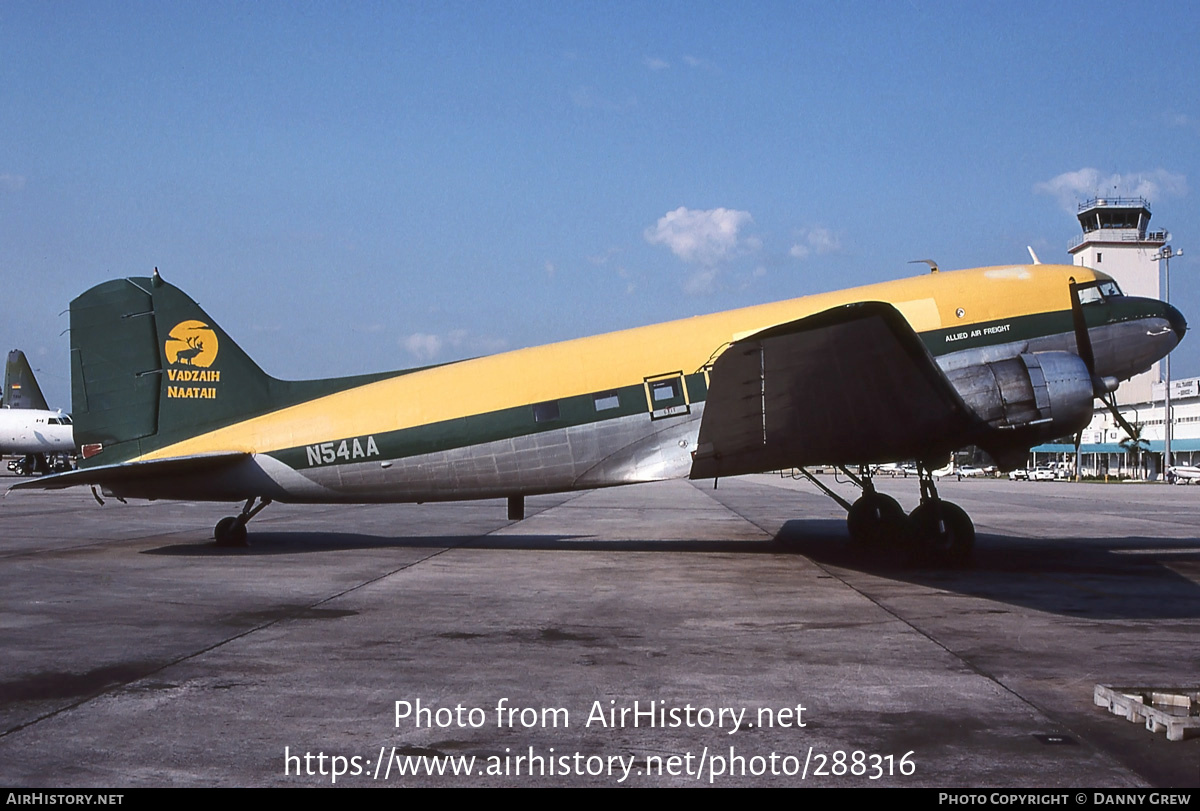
(610, 361)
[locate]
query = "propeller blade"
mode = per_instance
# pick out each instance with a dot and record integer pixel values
(1110, 401)
(1101, 387)
(1083, 340)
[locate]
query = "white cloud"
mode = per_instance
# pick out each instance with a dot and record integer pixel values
(1071, 188)
(654, 63)
(422, 346)
(705, 237)
(823, 240)
(1184, 121)
(700, 64)
(550, 269)
(427, 348)
(818, 239)
(602, 259)
(12, 182)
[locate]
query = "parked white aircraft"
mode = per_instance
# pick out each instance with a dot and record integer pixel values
(43, 438)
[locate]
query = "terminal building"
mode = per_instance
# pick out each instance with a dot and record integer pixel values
(1117, 240)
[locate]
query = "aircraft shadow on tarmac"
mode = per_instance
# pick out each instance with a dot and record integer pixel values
(1096, 578)
(1108, 578)
(293, 543)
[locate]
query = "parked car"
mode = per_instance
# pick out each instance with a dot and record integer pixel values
(1041, 473)
(1018, 475)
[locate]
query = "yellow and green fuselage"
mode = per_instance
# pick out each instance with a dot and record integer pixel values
(155, 378)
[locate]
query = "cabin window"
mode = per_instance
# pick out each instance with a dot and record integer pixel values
(1099, 257)
(666, 395)
(605, 401)
(663, 391)
(545, 412)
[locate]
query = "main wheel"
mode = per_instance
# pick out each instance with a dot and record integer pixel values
(230, 532)
(948, 538)
(874, 518)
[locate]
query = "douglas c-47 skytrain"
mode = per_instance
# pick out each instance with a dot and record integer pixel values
(166, 405)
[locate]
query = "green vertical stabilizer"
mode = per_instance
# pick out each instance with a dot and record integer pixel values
(149, 367)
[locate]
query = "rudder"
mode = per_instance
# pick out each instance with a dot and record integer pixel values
(150, 367)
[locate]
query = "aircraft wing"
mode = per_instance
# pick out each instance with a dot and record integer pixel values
(851, 385)
(136, 474)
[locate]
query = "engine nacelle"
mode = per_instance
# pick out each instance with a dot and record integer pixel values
(1049, 394)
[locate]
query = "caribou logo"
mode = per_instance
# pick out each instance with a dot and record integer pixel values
(191, 343)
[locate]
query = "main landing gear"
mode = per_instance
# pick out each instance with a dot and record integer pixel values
(942, 531)
(936, 531)
(231, 531)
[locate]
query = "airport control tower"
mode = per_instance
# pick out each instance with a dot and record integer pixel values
(1117, 240)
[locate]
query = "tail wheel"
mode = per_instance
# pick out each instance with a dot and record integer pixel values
(875, 518)
(943, 531)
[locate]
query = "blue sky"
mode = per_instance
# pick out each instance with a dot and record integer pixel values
(349, 187)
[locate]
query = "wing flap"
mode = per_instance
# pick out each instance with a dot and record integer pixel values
(851, 385)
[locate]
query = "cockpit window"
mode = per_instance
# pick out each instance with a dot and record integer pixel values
(1096, 292)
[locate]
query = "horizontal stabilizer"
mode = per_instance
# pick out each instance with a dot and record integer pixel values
(137, 474)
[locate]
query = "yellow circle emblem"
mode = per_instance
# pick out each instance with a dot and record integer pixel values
(191, 343)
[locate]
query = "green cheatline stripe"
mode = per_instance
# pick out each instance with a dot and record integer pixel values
(280, 394)
(477, 429)
(1000, 331)
(580, 410)
(1039, 325)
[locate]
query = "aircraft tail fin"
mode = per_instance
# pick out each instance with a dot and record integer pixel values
(21, 388)
(150, 367)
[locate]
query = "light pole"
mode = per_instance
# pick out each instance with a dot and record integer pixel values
(1164, 255)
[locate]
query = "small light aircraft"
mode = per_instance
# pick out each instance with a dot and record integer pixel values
(166, 404)
(27, 425)
(1185, 474)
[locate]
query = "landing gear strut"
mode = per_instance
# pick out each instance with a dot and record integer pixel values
(936, 531)
(941, 530)
(874, 518)
(231, 531)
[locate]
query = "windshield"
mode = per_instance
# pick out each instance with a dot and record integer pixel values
(1096, 292)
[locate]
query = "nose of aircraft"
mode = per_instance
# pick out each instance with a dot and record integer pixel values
(1140, 333)
(1177, 321)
